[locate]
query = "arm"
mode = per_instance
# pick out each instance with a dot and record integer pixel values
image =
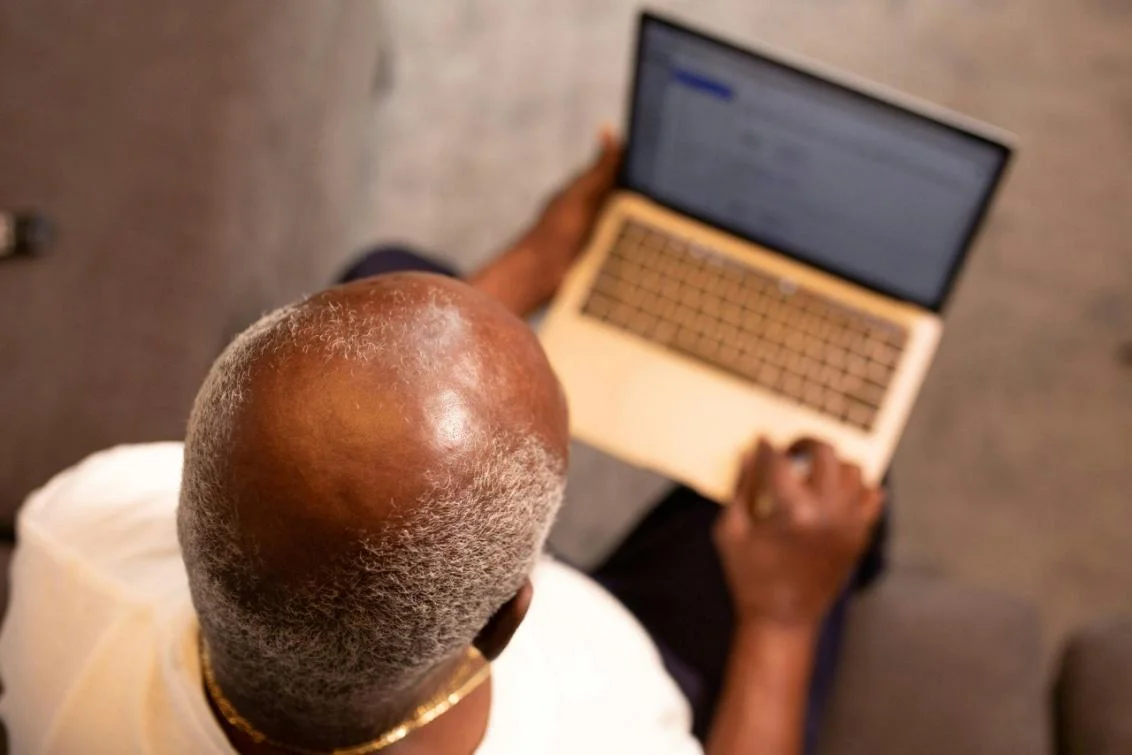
(526, 276)
(517, 280)
(787, 545)
(763, 705)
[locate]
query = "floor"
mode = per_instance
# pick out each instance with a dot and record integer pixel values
(1016, 469)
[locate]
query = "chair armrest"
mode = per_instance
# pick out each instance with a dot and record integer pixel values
(1094, 691)
(931, 667)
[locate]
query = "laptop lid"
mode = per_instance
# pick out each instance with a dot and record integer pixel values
(832, 176)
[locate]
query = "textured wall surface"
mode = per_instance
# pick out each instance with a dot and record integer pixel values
(203, 162)
(1016, 470)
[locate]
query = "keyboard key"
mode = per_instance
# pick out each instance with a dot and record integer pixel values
(825, 329)
(729, 355)
(879, 373)
(750, 363)
(732, 313)
(753, 321)
(880, 351)
(813, 393)
(664, 332)
(770, 352)
(794, 362)
(849, 383)
(704, 322)
(686, 338)
(795, 340)
(642, 323)
(768, 374)
(599, 305)
(868, 393)
(861, 415)
(792, 386)
(835, 357)
(812, 368)
(621, 313)
(650, 281)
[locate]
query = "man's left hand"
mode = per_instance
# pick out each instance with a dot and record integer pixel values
(528, 275)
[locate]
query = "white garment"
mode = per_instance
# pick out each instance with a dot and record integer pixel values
(98, 651)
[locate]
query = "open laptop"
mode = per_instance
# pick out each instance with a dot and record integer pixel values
(774, 262)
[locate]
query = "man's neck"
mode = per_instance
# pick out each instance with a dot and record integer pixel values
(458, 732)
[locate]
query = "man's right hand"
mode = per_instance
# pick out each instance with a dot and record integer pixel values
(789, 543)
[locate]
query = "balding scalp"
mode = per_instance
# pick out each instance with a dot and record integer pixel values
(369, 475)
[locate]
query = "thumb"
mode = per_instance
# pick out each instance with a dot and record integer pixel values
(601, 176)
(732, 524)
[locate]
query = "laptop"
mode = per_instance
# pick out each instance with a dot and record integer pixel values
(774, 262)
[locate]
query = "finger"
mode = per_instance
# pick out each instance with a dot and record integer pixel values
(763, 502)
(872, 503)
(743, 486)
(852, 489)
(611, 152)
(607, 135)
(733, 522)
(781, 481)
(601, 176)
(747, 485)
(824, 467)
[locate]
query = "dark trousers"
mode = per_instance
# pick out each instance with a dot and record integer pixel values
(667, 573)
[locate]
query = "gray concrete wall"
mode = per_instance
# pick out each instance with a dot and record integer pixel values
(203, 162)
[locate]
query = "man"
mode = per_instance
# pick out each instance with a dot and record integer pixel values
(345, 556)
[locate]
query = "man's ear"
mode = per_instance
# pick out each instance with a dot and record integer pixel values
(499, 629)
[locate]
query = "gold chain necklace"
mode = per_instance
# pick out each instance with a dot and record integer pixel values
(472, 672)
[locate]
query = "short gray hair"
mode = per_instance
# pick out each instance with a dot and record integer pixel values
(375, 620)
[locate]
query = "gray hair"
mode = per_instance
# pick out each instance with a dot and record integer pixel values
(390, 607)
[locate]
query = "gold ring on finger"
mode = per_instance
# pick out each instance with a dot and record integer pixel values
(764, 506)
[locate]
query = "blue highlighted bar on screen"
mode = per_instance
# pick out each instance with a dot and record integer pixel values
(703, 84)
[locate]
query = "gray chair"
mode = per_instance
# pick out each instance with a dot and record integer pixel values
(931, 667)
(1094, 691)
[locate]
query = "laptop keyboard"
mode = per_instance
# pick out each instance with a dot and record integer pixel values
(796, 343)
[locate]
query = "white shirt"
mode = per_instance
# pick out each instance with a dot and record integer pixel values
(98, 652)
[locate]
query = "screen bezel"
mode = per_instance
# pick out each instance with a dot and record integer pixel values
(938, 304)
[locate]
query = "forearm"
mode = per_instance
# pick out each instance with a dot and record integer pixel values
(519, 279)
(763, 706)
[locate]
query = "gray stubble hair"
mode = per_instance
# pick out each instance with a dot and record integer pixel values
(383, 613)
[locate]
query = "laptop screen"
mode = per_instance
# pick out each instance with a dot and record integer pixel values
(823, 173)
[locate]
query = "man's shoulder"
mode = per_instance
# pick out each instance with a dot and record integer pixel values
(578, 617)
(582, 673)
(114, 513)
(128, 476)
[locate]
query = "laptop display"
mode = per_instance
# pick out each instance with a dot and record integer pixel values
(851, 184)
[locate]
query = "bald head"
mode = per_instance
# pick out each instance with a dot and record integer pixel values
(369, 475)
(395, 387)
